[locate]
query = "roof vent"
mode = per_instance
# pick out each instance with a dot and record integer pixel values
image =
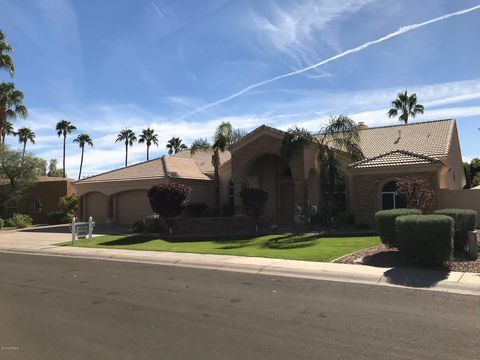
(362, 126)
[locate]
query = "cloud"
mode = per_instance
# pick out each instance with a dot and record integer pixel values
(364, 46)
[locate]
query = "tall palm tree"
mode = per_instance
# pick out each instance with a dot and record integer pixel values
(128, 137)
(224, 136)
(25, 134)
(6, 62)
(82, 140)
(407, 105)
(340, 134)
(174, 145)
(148, 137)
(6, 128)
(64, 128)
(11, 106)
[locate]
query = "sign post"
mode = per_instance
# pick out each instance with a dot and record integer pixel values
(82, 230)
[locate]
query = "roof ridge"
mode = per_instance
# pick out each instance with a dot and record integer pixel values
(125, 167)
(410, 124)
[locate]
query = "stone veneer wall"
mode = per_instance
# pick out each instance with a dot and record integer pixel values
(367, 189)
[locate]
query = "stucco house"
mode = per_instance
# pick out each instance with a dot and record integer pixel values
(429, 149)
(41, 198)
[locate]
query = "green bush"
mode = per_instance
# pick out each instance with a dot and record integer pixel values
(139, 226)
(20, 221)
(385, 220)
(58, 217)
(426, 238)
(465, 220)
(197, 209)
(1, 223)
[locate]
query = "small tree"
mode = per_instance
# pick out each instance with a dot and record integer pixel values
(417, 193)
(254, 201)
(169, 201)
(68, 204)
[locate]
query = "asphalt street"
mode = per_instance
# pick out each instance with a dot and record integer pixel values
(66, 308)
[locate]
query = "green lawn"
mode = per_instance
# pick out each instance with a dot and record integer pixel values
(282, 246)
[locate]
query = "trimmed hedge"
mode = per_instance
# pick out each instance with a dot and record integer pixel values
(465, 220)
(1, 223)
(385, 220)
(426, 238)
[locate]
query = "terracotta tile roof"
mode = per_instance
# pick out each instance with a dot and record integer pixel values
(394, 158)
(52, 178)
(163, 167)
(203, 159)
(431, 138)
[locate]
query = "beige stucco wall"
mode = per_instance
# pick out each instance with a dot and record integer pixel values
(95, 206)
(461, 199)
(225, 173)
(454, 177)
(131, 206)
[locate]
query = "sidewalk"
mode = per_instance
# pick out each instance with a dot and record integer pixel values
(455, 282)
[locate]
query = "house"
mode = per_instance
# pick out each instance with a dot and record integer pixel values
(41, 198)
(428, 149)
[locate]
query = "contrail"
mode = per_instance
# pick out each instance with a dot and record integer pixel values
(400, 31)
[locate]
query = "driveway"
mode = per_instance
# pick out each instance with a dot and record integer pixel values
(37, 238)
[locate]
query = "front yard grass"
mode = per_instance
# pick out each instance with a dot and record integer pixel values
(309, 247)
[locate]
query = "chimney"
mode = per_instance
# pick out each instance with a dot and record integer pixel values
(362, 126)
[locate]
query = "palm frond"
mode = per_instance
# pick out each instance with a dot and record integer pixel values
(200, 145)
(296, 139)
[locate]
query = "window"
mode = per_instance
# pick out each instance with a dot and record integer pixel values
(231, 193)
(390, 197)
(34, 206)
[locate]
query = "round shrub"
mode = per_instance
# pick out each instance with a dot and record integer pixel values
(426, 238)
(465, 220)
(58, 217)
(385, 220)
(20, 221)
(1, 223)
(139, 226)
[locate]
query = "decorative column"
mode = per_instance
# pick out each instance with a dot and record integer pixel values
(237, 201)
(109, 219)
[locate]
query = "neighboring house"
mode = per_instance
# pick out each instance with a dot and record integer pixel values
(41, 198)
(429, 149)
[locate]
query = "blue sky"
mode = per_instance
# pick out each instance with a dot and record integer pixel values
(108, 64)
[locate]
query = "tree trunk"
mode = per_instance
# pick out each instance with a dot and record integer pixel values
(23, 153)
(126, 153)
(64, 143)
(148, 151)
(217, 180)
(81, 164)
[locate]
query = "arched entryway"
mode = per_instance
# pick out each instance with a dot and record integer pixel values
(272, 174)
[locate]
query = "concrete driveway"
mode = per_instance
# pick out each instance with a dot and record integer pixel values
(37, 238)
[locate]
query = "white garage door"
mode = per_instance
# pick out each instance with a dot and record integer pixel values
(131, 206)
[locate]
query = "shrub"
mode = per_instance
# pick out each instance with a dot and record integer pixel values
(254, 201)
(68, 204)
(343, 218)
(1, 223)
(169, 201)
(58, 217)
(227, 209)
(417, 193)
(307, 212)
(20, 221)
(139, 226)
(197, 209)
(385, 220)
(426, 238)
(464, 220)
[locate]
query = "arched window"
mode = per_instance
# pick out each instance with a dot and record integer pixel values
(390, 197)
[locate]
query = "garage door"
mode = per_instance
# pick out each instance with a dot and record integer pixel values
(131, 206)
(97, 207)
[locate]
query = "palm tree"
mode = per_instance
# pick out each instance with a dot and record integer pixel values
(148, 137)
(340, 134)
(224, 136)
(128, 136)
(6, 129)
(64, 128)
(407, 105)
(82, 140)
(6, 62)
(11, 106)
(174, 145)
(25, 135)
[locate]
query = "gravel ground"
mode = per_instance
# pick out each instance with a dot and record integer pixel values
(383, 257)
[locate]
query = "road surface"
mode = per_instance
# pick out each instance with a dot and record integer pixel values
(66, 308)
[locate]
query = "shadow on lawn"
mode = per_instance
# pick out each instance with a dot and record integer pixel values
(129, 240)
(291, 241)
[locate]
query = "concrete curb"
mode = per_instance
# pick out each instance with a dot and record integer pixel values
(453, 282)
